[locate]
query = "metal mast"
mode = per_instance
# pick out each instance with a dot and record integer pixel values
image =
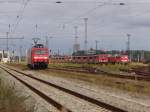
(7, 41)
(96, 42)
(85, 42)
(47, 42)
(7, 36)
(36, 27)
(76, 34)
(76, 46)
(128, 46)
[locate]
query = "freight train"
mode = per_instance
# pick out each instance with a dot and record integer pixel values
(38, 56)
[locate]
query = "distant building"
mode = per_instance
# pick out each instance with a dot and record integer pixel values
(89, 52)
(4, 56)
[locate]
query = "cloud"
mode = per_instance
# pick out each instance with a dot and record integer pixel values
(108, 23)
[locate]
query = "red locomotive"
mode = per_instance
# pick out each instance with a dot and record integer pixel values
(61, 59)
(100, 58)
(118, 59)
(38, 57)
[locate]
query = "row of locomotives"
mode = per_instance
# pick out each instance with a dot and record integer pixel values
(95, 59)
(92, 59)
(38, 57)
(61, 59)
(123, 59)
(4, 56)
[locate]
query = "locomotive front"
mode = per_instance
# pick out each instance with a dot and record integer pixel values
(39, 57)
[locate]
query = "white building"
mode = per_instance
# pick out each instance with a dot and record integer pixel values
(4, 56)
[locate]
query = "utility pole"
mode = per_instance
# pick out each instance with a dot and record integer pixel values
(36, 27)
(20, 48)
(76, 46)
(76, 34)
(96, 42)
(7, 35)
(7, 41)
(9, 28)
(128, 46)
(36, 39)
(85, 42)
(47, 42)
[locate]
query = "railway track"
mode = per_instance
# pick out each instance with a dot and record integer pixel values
(41, 94)
(137, 76)
(139, 73)
(53, 102)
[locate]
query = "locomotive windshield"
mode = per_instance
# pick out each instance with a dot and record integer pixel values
(39, 52)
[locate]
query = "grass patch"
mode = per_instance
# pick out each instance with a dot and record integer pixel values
(22, 66)
(112, 67)
(106, 67)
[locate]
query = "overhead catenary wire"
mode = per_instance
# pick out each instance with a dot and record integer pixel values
(82, 15)
(70, 1)
(90, 11)
(19, 16)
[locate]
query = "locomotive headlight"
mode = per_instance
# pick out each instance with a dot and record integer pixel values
(40, 57)
(45, 57)
(35, 57)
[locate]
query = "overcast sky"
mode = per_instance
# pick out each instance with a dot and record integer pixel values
(108, 22)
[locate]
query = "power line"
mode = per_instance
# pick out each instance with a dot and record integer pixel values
(90, 11)
(20, 15)
(81, 16)
(69, 1)
(50, 1)
(7, 38)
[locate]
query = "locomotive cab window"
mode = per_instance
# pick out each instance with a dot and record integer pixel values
(91, 57)
(39, 52)
(79, 57)
(84, 57)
